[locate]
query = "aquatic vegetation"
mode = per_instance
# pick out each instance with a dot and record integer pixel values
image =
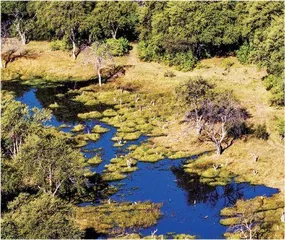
(80, 140)
(118, 167)
(64, 126)
(95, 160)
(78, 128)
(109, 113)
(148, 153)
(112, 176)
(132, 114)
(115, 218)
(128, 136)
(210, 172)
(126, 129)
(90, 115)
(179, 154)
(170, 236)
(93, 136)
(99, 129)
(165, 236)
(54, 105)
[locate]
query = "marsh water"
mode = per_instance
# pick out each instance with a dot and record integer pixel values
(189, 206)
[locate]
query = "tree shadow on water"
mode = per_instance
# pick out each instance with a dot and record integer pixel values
(199, 192)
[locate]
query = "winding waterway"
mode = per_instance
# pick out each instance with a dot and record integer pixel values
(189, 206)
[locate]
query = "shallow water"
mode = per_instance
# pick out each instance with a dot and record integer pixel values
(189, 206)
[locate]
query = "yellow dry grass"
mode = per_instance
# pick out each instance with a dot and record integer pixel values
(42, 62)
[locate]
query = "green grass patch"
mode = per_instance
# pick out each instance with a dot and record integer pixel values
(95, 160)
(115, 218)
(100, 129)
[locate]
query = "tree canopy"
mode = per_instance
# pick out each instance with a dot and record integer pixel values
(43, 217)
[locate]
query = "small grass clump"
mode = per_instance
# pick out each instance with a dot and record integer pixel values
(171, 236)
(54, 105)
(80, 140)
(118, 167)
(90, 115)
(210, 172)
(109, 113)
(112, 176)
(99, 129)
(148, 152)
(96, 160)
(128, 136)
(93, 136)
(78, 128)
(116, 218)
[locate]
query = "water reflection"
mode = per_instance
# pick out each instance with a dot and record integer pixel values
(47, 94)
(199, 192)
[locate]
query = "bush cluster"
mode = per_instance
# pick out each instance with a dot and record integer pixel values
(59, 45)
(118, 47)
(261, 132)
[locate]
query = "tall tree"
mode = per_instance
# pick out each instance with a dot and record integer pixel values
(43, 217)
(17, 122)
(49, 163)
(66, 19)
(98, 54)
(262, 25)
(223, 121)
(114, 18)
(194, 92)
(20, 16)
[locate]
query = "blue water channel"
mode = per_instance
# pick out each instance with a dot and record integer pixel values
(189, 206)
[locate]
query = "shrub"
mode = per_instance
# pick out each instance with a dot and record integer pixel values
(243, 53)
(276, 86)
(59, 45)
(147, 52)
(270, 81)
(183, 61)
(261, 132)
(118, 47)
(169, 74)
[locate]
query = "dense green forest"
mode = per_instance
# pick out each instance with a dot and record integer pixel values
(44, 173)
(176, 33)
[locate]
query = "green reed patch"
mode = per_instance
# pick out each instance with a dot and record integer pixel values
(115, 218)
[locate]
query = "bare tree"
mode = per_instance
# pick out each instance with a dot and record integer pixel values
(19, 25)
(98, 55)
(223, 121)
(10, 48)
(4, 38)
(193, 93)
(249, 222)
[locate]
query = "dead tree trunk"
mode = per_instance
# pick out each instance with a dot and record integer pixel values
(21, 33)
(99, 76)
(72, 38)
(219, 148)
(114, 32)
(73, 50)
